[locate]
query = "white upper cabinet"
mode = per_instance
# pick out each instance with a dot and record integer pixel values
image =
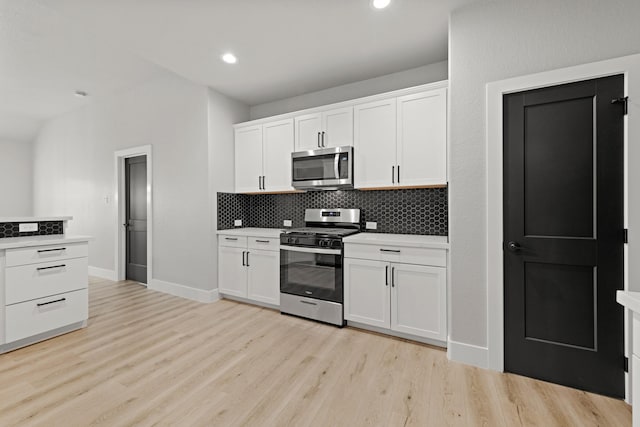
(422, 138)
(331, 128)
(415, 155)
(375, 144)
(248, 156)
(277, 145)
(263, 157)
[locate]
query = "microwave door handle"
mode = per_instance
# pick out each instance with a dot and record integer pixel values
(336, 165)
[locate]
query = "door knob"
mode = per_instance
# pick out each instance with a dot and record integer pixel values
(514, 246)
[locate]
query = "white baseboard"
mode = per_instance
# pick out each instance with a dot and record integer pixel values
(468, 354)
(103, 273)
(187, 292)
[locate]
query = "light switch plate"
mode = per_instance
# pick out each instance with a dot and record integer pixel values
(287, 223)
(372, 226)
(237, 223)
(27, 227)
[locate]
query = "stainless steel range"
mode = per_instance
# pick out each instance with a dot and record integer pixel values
(311, 260)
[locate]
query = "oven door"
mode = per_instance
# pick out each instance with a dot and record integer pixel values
(311, 272)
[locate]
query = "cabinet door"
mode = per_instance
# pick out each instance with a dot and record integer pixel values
(375, 144)
(419, 301)
(232, 275)
(366, 292)
(264, 276)
(635, 390)
(277, 147)
(338, 127)
(307, 132)
(422, 138)
(248, 158)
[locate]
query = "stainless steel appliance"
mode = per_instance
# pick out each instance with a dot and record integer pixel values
(311, 265)
(324, 169)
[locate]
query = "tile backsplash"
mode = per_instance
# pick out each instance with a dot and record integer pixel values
(417, 211)
(11, 229)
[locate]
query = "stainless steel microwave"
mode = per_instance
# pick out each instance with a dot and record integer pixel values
(324, 169)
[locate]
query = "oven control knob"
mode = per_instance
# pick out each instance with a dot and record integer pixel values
(323, 243)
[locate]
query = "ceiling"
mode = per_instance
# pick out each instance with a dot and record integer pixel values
(50, 48)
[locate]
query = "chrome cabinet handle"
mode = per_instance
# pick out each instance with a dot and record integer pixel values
(398, 174)
(319, 140)
(323, 139)
(393, 280)
(264, 185)
(248, 259)
(40, 304)
(52, 250)
(396, 251)
(243, 264)
(393, 174)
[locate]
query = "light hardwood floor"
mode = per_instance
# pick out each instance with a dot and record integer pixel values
(152, 359)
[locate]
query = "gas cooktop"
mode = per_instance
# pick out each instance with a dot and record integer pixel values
(321, 231)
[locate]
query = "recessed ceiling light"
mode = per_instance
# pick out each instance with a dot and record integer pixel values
(80, 93)
(380, 4)
(229, 58)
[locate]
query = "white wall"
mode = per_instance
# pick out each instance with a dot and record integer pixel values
(400, 80)
(16, 178)
(491, 41)
(74, 173)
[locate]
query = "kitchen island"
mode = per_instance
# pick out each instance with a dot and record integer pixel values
(43, 280)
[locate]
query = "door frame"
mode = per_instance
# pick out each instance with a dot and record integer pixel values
(629, 66)
(120, 215)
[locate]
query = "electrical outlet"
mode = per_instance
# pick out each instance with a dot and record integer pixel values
(28, 227)
(371, 226)
(287, 223)
(237, 223)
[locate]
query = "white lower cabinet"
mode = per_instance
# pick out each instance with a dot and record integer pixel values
(249, 267)
(405, 298)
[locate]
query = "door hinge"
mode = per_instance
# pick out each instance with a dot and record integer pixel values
(626, 235)
(624, 101)
(626, 364)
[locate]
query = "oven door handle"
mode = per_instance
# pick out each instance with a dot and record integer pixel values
(311, 250)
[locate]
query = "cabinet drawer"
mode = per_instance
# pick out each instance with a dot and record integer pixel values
(36, 254)
(35, 317)
(33, 281)
(233, 241)
(403, 254)
(267, 244)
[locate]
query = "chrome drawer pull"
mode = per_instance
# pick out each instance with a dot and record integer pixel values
(51, 250)
(396, 251)
(307, 302)
(40, 304)
(53, 266)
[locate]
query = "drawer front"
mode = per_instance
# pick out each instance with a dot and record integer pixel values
(264, 243)
(36, 254)
(30, 282)
(35, 317)
(232, 241)
(402, 254)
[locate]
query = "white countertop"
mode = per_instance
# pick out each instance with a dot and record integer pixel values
(629, 299)
(28, 241)
(35, 218)
(410, 240)
(252, 232)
